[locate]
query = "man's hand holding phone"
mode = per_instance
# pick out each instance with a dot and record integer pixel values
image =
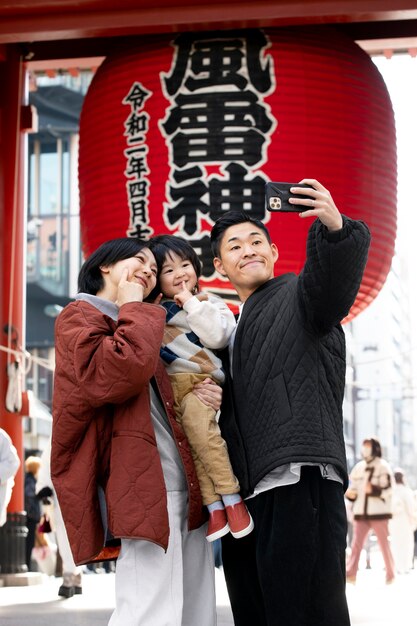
(279, 196)
(308, 198)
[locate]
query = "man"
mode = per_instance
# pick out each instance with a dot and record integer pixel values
(282, 414)
(9, 464)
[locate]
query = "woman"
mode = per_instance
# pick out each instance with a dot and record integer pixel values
(371, 493)
(121, 465)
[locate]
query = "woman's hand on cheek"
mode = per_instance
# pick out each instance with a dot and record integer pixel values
(209, 392)
(128, 291)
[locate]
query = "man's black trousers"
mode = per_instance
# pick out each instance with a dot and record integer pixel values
(290, 571)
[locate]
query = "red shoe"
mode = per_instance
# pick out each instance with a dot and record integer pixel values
(217, 525)
(240, 520)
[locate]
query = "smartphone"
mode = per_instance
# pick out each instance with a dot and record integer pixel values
(278, 194)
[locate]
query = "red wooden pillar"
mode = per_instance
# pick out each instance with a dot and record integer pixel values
(12, 238)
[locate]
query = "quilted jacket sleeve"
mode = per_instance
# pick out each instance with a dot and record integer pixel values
(109, 362)
(333, 271)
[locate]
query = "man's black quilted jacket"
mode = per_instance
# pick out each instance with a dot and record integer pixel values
(285, 402)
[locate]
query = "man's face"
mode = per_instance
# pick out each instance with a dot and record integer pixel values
(246, 258)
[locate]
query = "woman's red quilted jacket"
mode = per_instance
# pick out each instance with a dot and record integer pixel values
(102, 429)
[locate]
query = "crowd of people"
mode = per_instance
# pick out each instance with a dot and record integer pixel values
(175, 424)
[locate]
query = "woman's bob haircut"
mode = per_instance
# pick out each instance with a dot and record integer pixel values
(90, 278)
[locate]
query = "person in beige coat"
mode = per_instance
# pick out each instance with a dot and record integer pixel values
(371, 493)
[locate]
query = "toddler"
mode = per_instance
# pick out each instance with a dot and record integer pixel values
(197, 324)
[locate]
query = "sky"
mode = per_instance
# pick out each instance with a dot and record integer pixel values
(400, 75)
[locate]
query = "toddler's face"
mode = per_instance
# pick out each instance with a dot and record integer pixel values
(175, 274)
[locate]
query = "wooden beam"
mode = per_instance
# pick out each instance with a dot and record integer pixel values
(47, 21)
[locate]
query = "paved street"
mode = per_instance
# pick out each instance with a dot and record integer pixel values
(371, 602)
(39, 605)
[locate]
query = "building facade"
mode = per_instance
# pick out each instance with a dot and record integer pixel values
(380, 390)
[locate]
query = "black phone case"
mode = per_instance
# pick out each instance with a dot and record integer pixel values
(278, 194)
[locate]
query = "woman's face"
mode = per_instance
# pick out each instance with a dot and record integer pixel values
(366, 450)
(142, 269)
(175, 273)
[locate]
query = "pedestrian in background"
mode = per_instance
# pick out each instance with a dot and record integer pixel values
(371, 493)
(32, 505)
(402, 524)
(9, 464)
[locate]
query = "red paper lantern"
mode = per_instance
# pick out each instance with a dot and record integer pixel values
(176, 132)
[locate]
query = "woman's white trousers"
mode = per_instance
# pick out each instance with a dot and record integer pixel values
(173, 588)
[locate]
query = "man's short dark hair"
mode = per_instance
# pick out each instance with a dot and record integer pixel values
(163, 245)
(231, 218)
(90, 278)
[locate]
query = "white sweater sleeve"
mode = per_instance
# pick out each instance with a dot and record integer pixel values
(211, 320)
(9, 459)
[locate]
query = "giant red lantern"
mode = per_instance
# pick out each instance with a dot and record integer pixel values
(177, 131)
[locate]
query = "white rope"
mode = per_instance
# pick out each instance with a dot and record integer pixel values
(31, 358)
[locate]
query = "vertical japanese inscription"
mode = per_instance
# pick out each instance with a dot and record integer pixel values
(217, 119)
(137, 171)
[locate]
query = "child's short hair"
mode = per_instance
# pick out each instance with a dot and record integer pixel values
(90, 278)
(162, 245)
